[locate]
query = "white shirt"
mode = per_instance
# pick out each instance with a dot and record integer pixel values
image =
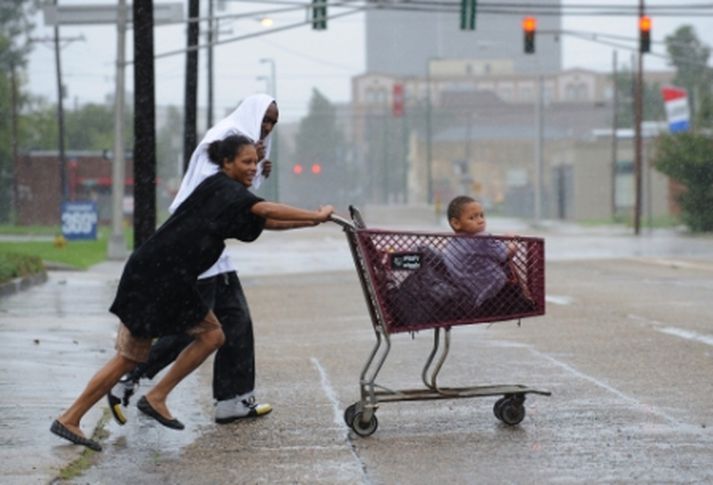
(245, 120)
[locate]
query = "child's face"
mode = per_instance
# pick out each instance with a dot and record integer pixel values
(243, 166)
(471, 219)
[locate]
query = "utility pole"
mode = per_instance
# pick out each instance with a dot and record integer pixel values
(13, 94)
(117, 245)
(614, 137)
(539, 138)
(209, 38)
(429, 135)
(191, 94)
(60, 116)
(638, 115)
(144, 123)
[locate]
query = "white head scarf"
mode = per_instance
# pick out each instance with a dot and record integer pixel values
(245, 120)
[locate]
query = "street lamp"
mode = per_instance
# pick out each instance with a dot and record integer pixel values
(273, 78)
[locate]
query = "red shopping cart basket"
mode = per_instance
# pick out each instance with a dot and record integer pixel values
(416, 281)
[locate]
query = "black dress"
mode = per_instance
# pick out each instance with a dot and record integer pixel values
(157, 294)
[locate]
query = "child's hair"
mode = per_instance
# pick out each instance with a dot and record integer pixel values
(227, 148)
(455, 207)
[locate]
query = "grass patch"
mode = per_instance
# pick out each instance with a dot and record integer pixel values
(86, 459)
(29, 230)
(76, 254)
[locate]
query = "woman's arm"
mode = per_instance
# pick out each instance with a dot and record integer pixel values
(286, 213)
(282, 225)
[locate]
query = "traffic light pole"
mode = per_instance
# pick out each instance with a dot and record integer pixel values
(539, 141)
(638, 115)
(116, 249)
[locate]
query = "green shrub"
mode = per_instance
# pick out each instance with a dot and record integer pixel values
(14, 265)
(688, 158)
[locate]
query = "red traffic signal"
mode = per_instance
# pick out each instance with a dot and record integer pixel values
(529, 27)
(645, 33)
(298, 168)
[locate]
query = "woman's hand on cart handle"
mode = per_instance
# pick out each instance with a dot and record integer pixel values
(324, 213)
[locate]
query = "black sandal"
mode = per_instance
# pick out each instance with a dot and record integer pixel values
(63, 432)
(145, 407)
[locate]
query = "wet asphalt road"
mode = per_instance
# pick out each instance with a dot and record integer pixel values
(626, 348)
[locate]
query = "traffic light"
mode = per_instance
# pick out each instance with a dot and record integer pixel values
(319, 14)
(645, 33)
(467, 14)
(529, 26)
(299, 169)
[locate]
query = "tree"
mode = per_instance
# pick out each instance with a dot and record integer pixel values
(169, 145)
(320, 143)
(652, 102)
(90, 127)
(15, 26)
(688, 158)
(690, 58)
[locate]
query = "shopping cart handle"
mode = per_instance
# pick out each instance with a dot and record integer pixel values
(341, 221)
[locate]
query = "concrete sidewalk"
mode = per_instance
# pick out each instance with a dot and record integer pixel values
(55, 336)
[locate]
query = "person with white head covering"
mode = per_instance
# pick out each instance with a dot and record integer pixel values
(234, 363)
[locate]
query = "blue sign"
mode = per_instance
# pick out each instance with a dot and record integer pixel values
(79, 219)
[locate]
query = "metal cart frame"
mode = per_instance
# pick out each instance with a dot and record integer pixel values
(361, 416)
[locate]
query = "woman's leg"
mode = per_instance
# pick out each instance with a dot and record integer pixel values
(204, 344)
(96, 388)
(167, 349)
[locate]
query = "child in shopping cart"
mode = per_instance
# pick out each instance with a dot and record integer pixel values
(480, 265)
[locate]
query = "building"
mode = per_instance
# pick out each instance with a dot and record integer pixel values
(87, 176)
(458, 132)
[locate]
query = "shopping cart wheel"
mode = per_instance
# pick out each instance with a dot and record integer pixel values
(498, 407)
(364, 429)
(349, 414)
(512, 412)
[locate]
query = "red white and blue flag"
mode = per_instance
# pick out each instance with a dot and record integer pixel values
(676, 103)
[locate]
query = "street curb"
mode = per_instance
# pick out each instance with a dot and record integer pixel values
(19, 284)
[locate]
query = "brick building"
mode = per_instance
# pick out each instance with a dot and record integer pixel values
(88, 177)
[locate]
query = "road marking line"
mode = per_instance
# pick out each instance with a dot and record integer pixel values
(677, 263)
(631, 400)
(687, 334)
(332, 397)
(675, 331)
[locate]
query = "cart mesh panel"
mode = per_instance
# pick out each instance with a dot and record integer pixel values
(437, 280)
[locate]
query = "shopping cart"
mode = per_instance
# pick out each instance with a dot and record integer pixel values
(416, 281)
